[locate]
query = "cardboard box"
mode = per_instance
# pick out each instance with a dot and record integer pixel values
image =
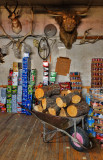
(15, 66)
(3, 92)
(63, 66)
(3, 100)
(15, 74)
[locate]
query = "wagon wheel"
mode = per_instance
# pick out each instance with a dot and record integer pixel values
(81, 136)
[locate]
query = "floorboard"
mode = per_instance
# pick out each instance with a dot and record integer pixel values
(21, 138)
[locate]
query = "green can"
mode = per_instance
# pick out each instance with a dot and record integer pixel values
(33, 72)
(8, 105)
(9, 96)
(9, 110)
(53, 74)
(14, 91)
(52, 79)
(9, 88)
(14, 87)
(9, 100)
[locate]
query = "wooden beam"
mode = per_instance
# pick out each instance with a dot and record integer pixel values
(3, 86)
(90, 37)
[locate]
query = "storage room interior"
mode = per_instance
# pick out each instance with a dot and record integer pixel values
(22, 134)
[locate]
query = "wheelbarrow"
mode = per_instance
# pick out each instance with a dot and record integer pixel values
(78, 138)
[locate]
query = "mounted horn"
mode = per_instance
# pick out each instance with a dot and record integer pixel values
(84, 13)
(16, 6)
(16, 24)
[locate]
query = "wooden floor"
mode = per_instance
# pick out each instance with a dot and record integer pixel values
(21, 139)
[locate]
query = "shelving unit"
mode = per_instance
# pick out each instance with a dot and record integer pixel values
(98, 124)
(97, 72)
(76, 84)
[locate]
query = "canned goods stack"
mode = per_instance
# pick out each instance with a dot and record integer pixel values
(10, 76)
(53, 77)
(9, 98)
(97, 106)
(33, 77)
(90, 120)
(45, 73)
(20, 77)
(19, 98)
(97, 72)
(30, 92)
(26, 66)
(75, 79)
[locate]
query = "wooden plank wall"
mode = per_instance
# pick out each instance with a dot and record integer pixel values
(21, 139)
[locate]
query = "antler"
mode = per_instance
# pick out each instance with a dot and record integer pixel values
(17, 44)
(84, 40)
(84, 13)
(31, 31)
(7, 8)
(5, 34)
(16, 6)
(54, 13)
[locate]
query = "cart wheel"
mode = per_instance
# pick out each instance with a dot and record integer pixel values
(82, 137)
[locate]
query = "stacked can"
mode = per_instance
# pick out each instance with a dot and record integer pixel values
(52, 77)
(26, 66)
(20, 77)
(9, 98)
(28, 105)
(90, 119)
(19, 98)
(45, 73)
(30, 92)
(14, 99)
(10, 76)
(3, 95)
(33, 77)
(15, 74)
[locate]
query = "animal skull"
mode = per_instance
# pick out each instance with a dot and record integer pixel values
(16, 24)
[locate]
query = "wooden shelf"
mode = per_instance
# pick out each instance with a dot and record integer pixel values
(98, 111)
(96, 86)
(98, 124)
(75, 80)
(97, 118)
(96, 80)
(98, 99)
(97, 62)
(3, 86)
(98, 107)
(97, 76)
(79, 90)
(76, 85)
(98, 70)
(98, 131)
(74, 75)
(92, 66)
